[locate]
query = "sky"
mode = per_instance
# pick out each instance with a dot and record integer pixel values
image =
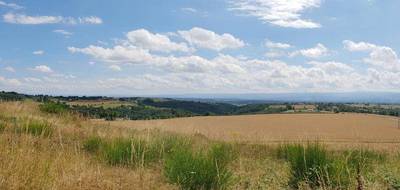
(158, 47)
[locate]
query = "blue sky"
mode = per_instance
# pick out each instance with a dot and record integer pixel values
(124, 47)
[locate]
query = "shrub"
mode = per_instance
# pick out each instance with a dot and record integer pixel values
(199, 170)
(53, 107)
(36, 128)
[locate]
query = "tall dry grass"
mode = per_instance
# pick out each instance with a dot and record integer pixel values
(80, 154)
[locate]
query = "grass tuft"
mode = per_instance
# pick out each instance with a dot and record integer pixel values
(199, 170)
(36, 128)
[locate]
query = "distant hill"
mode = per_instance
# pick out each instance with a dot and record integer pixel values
(346, 97)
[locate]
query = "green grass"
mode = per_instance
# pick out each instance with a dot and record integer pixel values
(36, 127)
(199, 170)
(314, 165)
(2, 126)
(93, 144)
(130, 151)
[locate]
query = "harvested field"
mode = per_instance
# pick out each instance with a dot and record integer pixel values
(330, 128)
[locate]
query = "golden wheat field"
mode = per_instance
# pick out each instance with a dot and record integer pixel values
(332, 128)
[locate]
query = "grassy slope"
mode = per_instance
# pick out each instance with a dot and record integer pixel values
(58, 161)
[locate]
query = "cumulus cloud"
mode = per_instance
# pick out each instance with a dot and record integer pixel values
(10, 5)
(35, 20)
(184, 72)
(117, 54)
(379, 56)
(156, 42)
(38, 52)
(316, 52)
(276, 45)
(207, 39)
(284, 13)
(43, 69)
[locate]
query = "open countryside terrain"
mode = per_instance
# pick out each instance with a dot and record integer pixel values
(266, 128)
(47, 145)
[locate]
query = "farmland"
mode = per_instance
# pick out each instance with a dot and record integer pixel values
(331, 128)
(48, 145)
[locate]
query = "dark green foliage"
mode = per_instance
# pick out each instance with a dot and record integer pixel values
(199, 170)
(130, 112)
(11, 96)
(198, 108)
(53, 107)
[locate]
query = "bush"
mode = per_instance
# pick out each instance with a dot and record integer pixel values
(199, 170)
(36, 128)
(53, 107)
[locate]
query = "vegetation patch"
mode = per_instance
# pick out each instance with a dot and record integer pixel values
(130, 151)
(314, 165)
(36, 127)
(199, 170)
(2, 126)
(53, 107)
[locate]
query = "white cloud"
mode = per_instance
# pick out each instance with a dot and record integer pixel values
(156, 42)
(175, 73)
(361, 46)
(316, 52)
(189, 10)
(9, 69)
(117, 54)
(63, 32)
(24, 19)
(10, 5)
(275, 54)
(9, 82)
(207, 39)
(90, 20)
(38, 52)
(276, 45)
(332, 67)
(32, 79)
(43, 69)
(115, 67)
(193, 11)
(284, 13)
(33, 20)
(379, 56)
